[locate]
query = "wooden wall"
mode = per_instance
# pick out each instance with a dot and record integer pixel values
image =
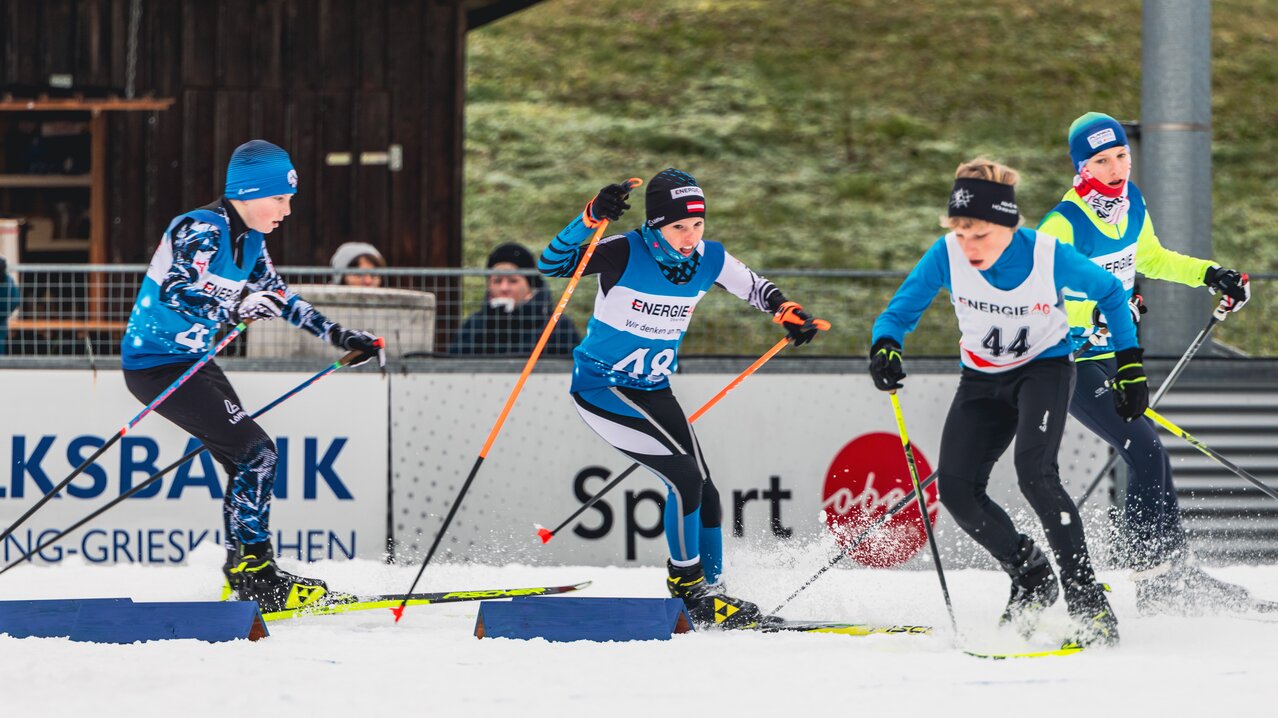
(314, 76)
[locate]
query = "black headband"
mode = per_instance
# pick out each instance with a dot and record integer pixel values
(981, 199)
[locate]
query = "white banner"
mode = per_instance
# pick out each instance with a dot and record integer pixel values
(330, 489)
(784, 451)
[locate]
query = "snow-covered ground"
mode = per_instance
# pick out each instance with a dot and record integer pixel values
(363, 664)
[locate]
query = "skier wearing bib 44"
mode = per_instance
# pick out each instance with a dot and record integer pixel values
(212, 268)
(1104, 217)
(1005, 284)
(650, 280)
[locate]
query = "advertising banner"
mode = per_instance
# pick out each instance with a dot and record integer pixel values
(795, 458)
(330, 493)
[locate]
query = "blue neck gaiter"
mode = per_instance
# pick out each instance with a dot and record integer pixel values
(660, 248)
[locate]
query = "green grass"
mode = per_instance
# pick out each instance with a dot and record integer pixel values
(827, 133)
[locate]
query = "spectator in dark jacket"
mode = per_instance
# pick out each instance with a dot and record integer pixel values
(516, 309)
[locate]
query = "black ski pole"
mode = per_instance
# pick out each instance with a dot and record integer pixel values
(344, 361)
(1238, 470)
(859, 539)
(922, 501)
(546, 534)
(1217, 316)
(125, 429)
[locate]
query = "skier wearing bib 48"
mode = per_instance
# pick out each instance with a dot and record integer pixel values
(650, 280)
(1005, 284)
(1104, 217)
(212, 268)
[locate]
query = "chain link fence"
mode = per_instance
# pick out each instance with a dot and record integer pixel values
(82, 311)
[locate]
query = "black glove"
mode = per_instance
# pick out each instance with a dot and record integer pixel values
(610, 203)
(4, 267)
(801, 327)
(359, 341)
(1136, 305)
(1131, 391)
(1235, 286)
(260, 306)
(885, 365)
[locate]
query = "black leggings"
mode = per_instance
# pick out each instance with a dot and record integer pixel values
(1031, 404)
(1152, 513)
(650, 427)
(207, 407)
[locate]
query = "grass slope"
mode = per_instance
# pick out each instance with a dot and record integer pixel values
(827, 133)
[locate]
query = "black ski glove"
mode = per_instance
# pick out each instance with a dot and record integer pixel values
(1131, 391)
(1235, 286)
(885, 365)
(1136, 305)
(610, 203)
(798, 324)
(359, 341)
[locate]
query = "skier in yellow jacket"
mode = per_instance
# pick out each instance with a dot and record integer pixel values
(1104, 216)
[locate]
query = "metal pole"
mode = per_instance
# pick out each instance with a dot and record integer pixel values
(1175, 159)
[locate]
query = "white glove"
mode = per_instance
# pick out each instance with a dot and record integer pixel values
(261, 306)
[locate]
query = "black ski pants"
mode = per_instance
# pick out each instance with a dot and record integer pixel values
(1029, 404)
(207, 407)
(1151, 515)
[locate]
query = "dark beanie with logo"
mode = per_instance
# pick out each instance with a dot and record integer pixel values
(671, 196)
(518, 255)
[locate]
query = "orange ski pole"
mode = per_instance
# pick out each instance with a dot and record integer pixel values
(510, 401)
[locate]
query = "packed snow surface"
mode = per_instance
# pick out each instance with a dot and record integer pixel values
(363, 664)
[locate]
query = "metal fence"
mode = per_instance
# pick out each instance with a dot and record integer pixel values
(82, 310)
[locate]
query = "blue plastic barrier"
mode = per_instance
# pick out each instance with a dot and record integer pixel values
(46, 619)
(583, 619)
(120, 620)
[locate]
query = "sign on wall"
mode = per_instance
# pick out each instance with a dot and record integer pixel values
(797, 458)
(330, 497)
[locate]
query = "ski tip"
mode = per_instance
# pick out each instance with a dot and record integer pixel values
(544, 533)
(398, 612)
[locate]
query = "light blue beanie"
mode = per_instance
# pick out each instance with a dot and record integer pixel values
(1092, 133)
(259, 169)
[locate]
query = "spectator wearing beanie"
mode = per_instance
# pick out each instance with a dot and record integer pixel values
(357, 255)
(516, 309)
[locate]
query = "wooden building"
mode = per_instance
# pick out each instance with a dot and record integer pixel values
(147, 98)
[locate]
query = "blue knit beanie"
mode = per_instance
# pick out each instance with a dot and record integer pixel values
(259, 169)
(1092, 133)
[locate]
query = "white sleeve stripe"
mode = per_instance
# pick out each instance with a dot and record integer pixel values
(744, 283)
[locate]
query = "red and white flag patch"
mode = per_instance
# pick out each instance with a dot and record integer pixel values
(696, 206)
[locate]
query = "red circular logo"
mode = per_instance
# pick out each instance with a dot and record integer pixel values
(866, 478)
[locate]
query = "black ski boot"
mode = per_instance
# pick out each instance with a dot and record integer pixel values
(707, 606)
(1090, 609)
(1034, 587)
(1179, 587)
(252, 575)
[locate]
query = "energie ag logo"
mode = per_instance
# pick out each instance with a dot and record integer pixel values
(866, 478)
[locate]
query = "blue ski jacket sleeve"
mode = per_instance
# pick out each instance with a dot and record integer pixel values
(1072, 269)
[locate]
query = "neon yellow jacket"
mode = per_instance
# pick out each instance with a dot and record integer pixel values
(1099, 240)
